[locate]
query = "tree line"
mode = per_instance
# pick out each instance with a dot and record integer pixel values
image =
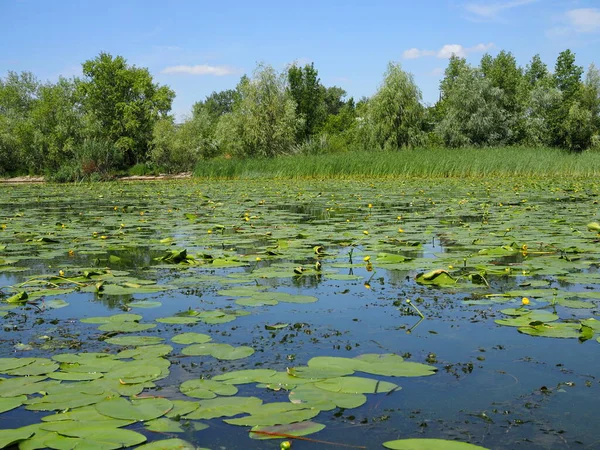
(116, 118)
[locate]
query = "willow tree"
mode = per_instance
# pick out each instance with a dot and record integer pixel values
(263, 122)
(395, 114)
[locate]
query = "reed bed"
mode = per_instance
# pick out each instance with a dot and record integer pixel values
(431, 163)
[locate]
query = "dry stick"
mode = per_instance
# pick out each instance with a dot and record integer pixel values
(301, 438)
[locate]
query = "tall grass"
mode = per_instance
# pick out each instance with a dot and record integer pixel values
(471, 162)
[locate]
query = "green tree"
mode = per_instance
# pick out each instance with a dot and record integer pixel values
(264, 122)
(334, 99)
(58, 125)
(456, 66)
(504, 73)
(179, 147)
(473, 111)
(535, 71)
(567, 76)
(542, 110)
(124, 102)
(590, 98)
(217, 103)
(579, 128)
(18, 94)
(568, 122)
(308, 93)
(394, 114)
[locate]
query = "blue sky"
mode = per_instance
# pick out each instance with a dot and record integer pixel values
(197, 47)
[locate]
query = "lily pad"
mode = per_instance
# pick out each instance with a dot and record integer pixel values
(191, 338)
(206, 388)
(280, 431)
(138, 409)
(430, 444)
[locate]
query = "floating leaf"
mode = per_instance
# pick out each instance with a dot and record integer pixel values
(56, 303)
(140, 409)
(246, 376)
(275, 414)
(6, 404)
(144, 304)
(206, 389)
(126, 327)
(526, 319)
(294, 429)
(168, 444)
(191, 338)
(117, 318)
(430, 444)
(178, 320)
(276, 326)
(10, 437)
(438, 277)
(134, 340)
(325, 400)
(224, 407)
(356, 385)
(555, 330)
(219, 351)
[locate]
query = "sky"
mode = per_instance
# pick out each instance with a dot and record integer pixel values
(197, 46)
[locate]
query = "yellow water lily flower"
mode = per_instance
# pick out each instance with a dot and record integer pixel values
(525, 301)
(366, 258)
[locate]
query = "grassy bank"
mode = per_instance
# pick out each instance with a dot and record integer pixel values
(496, 162)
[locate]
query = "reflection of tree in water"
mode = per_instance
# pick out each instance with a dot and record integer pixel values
(131, 258)
(114, 301)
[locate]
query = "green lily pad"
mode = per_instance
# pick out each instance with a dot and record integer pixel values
(245, 376)
(126, 327)
(117, 318)
(146, 351)
(526, 319)
(41, 366)
(178, 320)
(356, 385)
(438, 277)
(56, 303)
(191, 338)
(319, 373)
(269, 414)
(293, 429)
(12, 436)
(219, 351)
(206, 388)
(98, 436)
(8, 403)
(224, 407)
(145, 304)
(134, 340)
(169, 444)
(430, 444)
(139, 409)
(311, 395)
(555, 330)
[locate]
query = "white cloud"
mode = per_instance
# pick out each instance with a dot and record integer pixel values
(201, 69)
(414, 53)
(447, 51)
(584, 20)
(491, 11)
